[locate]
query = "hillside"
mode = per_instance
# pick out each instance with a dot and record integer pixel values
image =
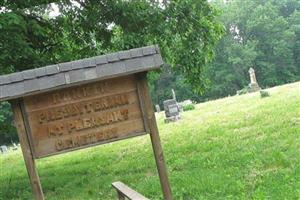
(240, 147)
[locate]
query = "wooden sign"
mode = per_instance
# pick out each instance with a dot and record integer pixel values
(85, 115)
(69, 106)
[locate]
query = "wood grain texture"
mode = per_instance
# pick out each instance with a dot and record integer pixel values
(145, 98)
(83, 116)
(125, 191)
(27, 153)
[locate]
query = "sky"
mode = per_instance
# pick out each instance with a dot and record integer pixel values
(55, 10)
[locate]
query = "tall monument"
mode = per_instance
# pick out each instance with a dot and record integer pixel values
(173, 94)
(253, 86)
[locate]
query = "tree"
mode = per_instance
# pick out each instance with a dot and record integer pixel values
(7, 131)
(263, 34)
(161, 85)
(186, 31)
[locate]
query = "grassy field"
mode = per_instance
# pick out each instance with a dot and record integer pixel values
(242, 147)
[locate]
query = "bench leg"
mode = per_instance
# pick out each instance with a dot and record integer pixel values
(121, 196)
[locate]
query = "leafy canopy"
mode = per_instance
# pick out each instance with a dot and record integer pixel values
(263, 34)
(186, 31)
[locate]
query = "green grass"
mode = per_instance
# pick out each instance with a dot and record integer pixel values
(242, 147)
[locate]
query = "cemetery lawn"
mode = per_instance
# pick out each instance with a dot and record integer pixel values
(241, 147)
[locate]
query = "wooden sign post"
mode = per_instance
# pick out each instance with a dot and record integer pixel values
(27, 153)
(153, 130)
(69, 106)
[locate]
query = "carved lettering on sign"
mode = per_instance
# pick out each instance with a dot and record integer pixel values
(84, 115)
(79, 93)
(77, 141)
(82, 108)
(87, 122)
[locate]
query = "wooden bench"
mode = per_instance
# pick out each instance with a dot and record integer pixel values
(126, 192)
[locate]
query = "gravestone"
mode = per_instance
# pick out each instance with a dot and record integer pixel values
(83, 103)
(186, 102)
(3, 149)
(180, 107)
(253, 86)
(171, 110)
(174, 95)
(157, 108)
(15, 147)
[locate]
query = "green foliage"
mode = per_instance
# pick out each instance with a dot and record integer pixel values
(161, 85)
(264, 35)
(30, 38)
(186, 31)
(233, 148)
(264, 93)
(188, 107)
(7, 131)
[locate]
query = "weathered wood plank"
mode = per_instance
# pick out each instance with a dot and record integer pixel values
(27, 154)
(125, 191)
(154, 134)
(85, 92)
(84, 116)
(73, 73)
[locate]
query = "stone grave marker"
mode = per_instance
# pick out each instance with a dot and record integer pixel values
(157, 108)
(253, 86)
(171, 110)
(3, 149)
(174, 94)
(186, 102)
(15, 147)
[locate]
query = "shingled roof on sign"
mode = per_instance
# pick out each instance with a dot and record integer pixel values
(56, 76)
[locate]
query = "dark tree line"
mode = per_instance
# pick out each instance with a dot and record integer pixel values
(262, 34)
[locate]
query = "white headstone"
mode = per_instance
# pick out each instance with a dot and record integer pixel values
(173, 94)
(3, 149)
(157, 107)
(252, 76)
(253, 86)
(15, 147)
